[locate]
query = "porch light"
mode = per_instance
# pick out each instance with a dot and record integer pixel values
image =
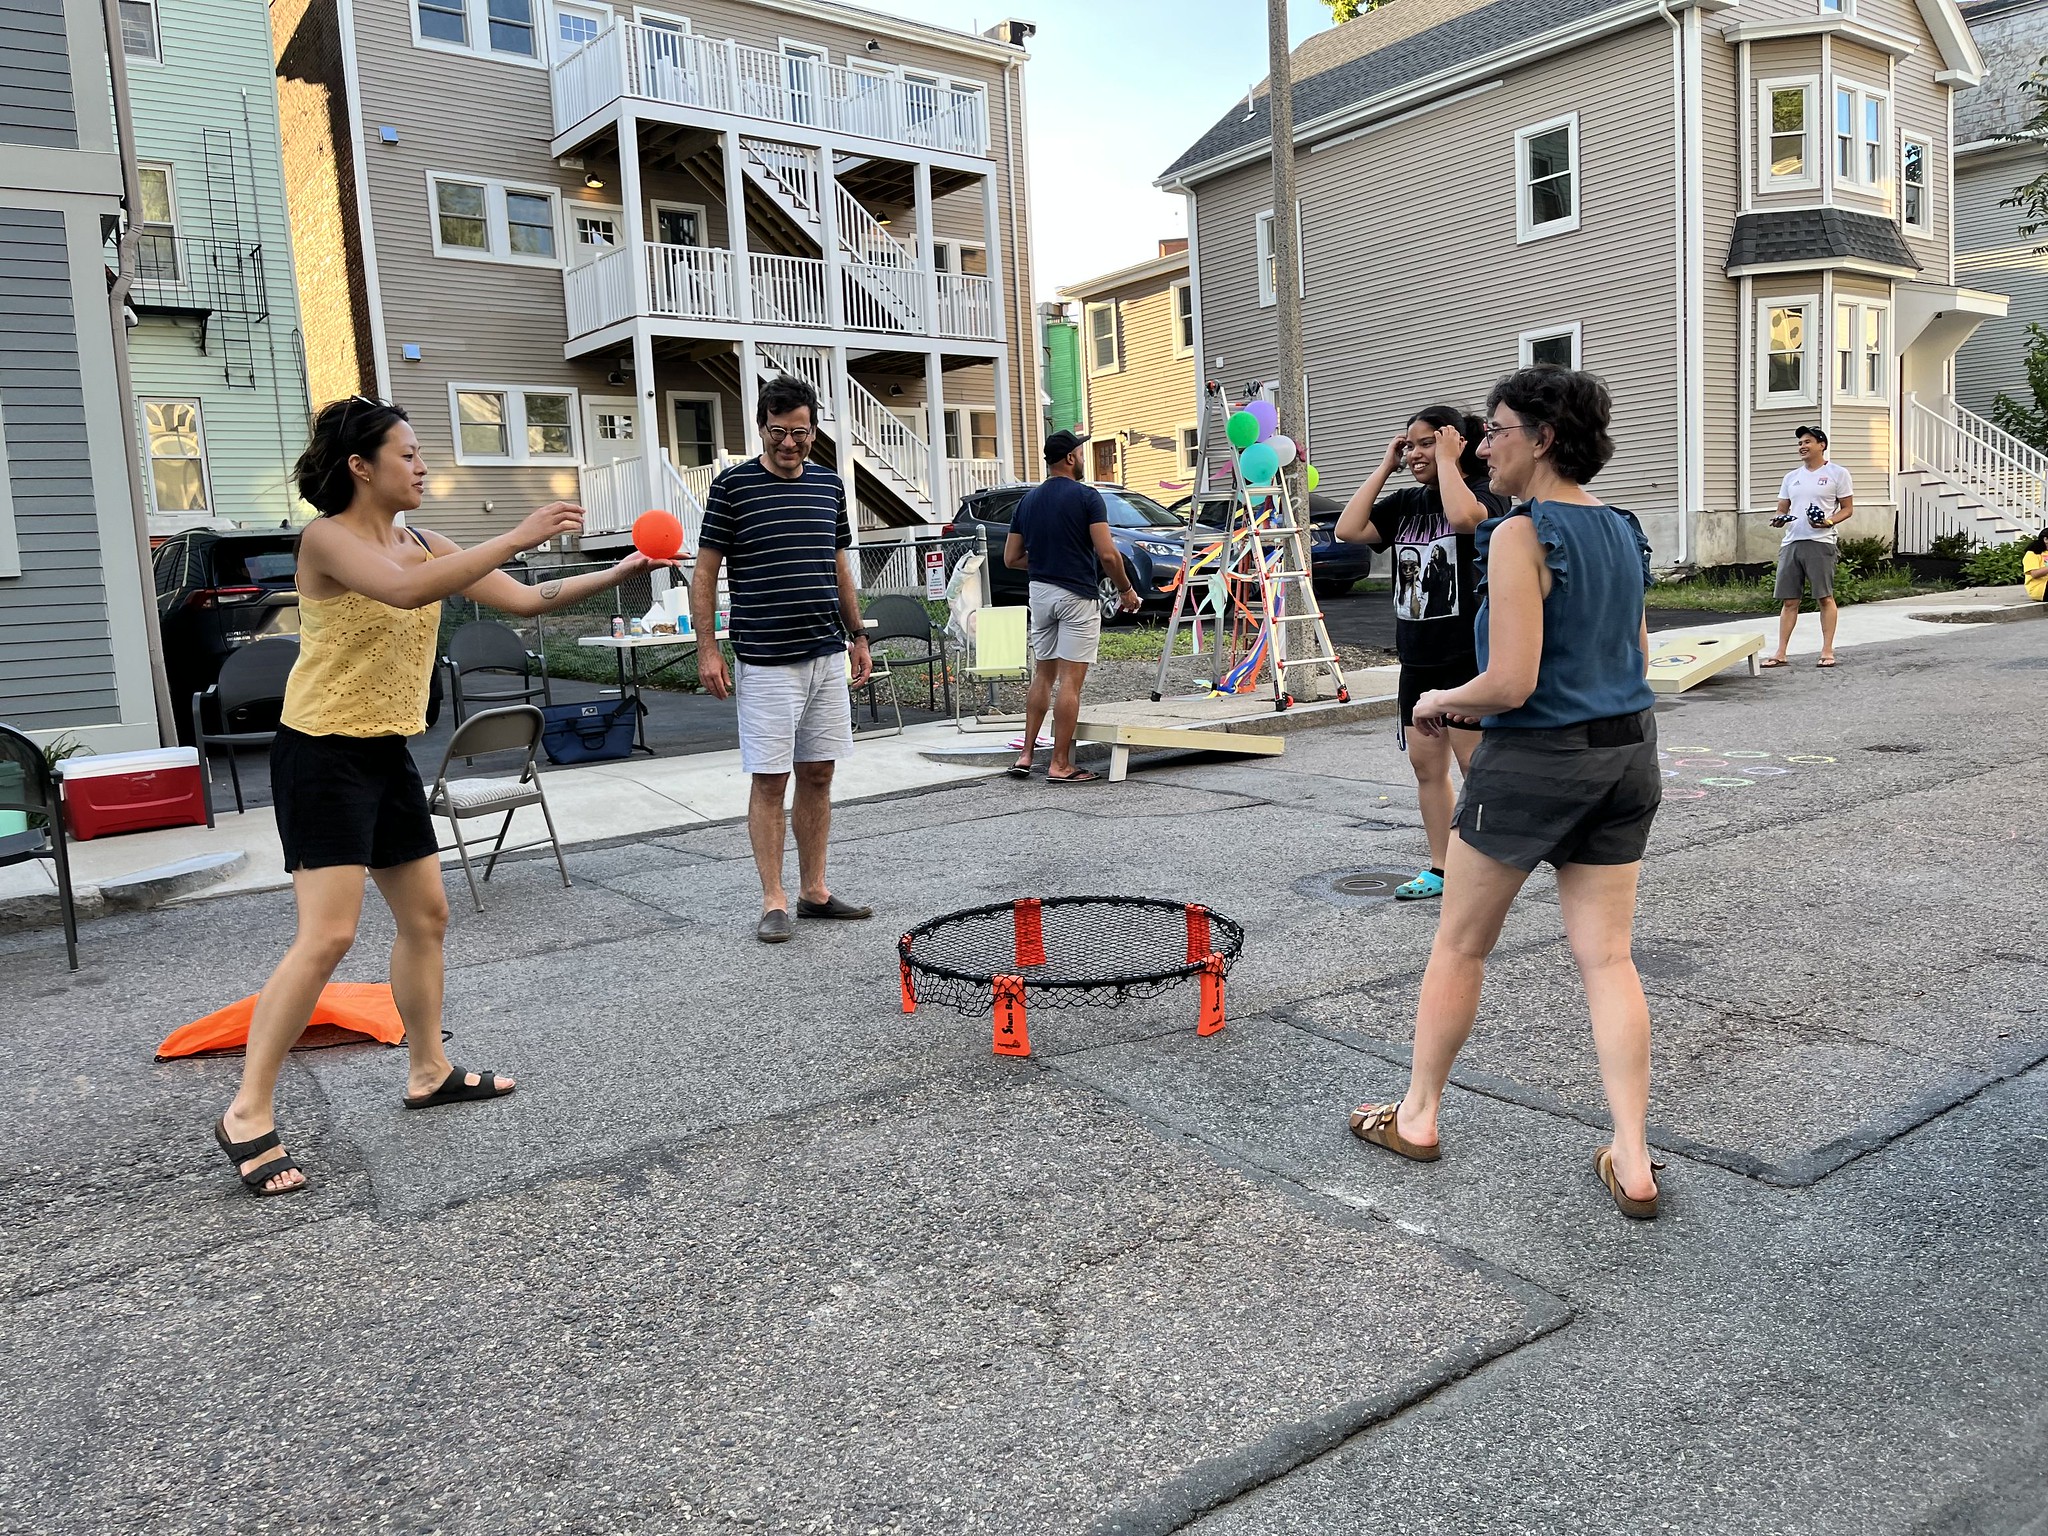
(593, 181)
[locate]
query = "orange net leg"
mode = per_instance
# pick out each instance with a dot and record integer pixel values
(909, 986)
(1013, 1038)
(1030, 925)
(1212, 996)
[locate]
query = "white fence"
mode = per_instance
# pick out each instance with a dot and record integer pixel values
(617, 493)
(659, 63)
(788, 290)
(965, 475)
(888, 439)
(967, 307)
(691, 281)
(2008, 475)
(598, 293)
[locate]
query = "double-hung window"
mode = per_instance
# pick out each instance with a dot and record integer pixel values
(476, 219)
(1269, 260)
(1105, 346)
(1784, 373)
(1860, 365)
(1860, 137)
(140, 36)
(176, 447)
(1183, 319)
(500, 425)
(502, 29)
(1785, 135)
(1547, 178)
(1190, 441)
(1916, 191)
(157, 255)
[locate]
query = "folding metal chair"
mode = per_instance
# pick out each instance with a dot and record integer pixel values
(516, 729)
(998, 651)
(879, 677)
(251, 680)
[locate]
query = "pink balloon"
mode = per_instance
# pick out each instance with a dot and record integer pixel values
(1266, 416)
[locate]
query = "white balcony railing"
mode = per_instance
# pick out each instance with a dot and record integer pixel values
(890, 440)
(788, 290)
(883, 298)
(967, 475)
(967, 307)
(1980, 458)
(599, 293)
(657, 63)
(614, 495)
(691, 281)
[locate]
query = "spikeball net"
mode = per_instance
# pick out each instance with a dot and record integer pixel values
(1066, 952)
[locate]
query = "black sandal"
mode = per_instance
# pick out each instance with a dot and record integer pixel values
(257, 1179)
(454, 1090)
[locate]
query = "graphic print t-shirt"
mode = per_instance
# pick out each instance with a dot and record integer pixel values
(1435, 573)
(1814, 490)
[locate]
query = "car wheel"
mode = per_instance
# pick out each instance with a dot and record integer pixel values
(1106, 596)
(1334, 588)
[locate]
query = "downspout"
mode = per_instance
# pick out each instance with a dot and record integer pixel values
(129, 250)
(1031, 385)
(1682, 293)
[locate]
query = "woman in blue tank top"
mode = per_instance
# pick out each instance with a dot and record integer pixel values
(1566, 771)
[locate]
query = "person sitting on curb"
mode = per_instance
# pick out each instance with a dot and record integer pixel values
(1812, 499)
(1060, 534)
(2034, 563)
(778, 526)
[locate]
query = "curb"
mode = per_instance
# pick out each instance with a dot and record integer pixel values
(1280, 722)
(136, 892)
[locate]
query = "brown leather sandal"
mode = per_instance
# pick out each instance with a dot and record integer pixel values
(1627, 1204)
(1376, 1123)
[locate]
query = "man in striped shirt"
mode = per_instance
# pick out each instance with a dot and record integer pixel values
(778, 527)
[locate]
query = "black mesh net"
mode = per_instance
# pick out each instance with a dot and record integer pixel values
(1097, 951)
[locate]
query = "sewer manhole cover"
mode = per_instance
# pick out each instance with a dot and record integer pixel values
(1355, 887)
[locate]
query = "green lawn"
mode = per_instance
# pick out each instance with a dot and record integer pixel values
(1720, 594)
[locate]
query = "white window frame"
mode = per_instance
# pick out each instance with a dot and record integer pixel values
(1262, 237)
(1808, 394)
(1526, 342)
(576, 247)
(674, 397)
(1526, 227)
(554, 15)
(477, 22)
(1846, 9)
(1116, 337)
(1859, 392)
(950, 256)
(656, 206)
(1188, 449)
(156, 35)
(142, 405)
(1183, 325)
(497, 229)
(1809, 179)
(515, 422)
(1924, 225)
(1860, 95)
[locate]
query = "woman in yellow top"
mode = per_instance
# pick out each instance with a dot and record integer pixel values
(2034, 563)
(348, 798)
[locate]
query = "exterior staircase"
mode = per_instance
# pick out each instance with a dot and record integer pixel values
(884, 289)
(1962, 474)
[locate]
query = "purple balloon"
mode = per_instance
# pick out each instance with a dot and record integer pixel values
(1268, 418)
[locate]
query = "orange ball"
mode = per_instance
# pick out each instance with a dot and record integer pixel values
(658, 535)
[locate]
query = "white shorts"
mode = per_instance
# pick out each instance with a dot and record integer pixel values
(1064, 625)
(802, 713)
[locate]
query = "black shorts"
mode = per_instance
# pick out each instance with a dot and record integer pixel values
(1575, 794)
(1416, 681)
(348, 800)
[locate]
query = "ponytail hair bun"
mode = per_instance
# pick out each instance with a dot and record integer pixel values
(342, 430)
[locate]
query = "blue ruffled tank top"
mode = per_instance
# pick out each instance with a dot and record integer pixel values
(1592, 663)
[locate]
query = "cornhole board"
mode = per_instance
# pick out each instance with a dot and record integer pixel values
(1120, 736)
(1677, 662)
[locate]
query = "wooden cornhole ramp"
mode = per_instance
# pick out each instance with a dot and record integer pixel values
(1162, 731)
(1677, 662)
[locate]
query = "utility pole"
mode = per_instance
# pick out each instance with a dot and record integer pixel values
(1287, 260)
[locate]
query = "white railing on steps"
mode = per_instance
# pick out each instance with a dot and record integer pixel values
(1978, 457)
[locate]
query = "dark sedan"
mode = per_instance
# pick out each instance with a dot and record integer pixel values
(1151, 539)
(1338, 567)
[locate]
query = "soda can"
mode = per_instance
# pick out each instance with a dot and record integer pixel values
(618, 627)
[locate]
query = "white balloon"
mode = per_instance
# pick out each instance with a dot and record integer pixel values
(1283, 445)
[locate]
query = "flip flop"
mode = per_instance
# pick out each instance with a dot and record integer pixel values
(1078, 776)
(1019, 770)
(1376, 1123)
(454, 1090)
(1627, 1204)
(1825, 661)
(1772, 661)
(255, 1180)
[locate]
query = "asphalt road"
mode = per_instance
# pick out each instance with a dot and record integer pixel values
(752, 1250)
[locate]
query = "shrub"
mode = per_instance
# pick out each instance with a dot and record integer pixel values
(1866, 554)
(1995, 565)
(1953, 545)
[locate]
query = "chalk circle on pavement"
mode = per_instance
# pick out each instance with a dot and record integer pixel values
(1765, 770)
(1726, 783)
(1703, 762)
(1809, 757)
(1685, 794)
(1727, 752)
(1691, 751)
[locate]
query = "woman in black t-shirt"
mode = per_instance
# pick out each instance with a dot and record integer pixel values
(1429, 526)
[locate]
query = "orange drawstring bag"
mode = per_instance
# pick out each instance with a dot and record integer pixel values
(358, 1007)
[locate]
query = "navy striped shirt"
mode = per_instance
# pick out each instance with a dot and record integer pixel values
(781, 541)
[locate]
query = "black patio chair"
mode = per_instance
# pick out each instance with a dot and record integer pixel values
(907, 619)
(27, 786)
(490, 647)
(245, 701)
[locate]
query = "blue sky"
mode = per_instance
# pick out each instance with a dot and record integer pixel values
(1116, 90)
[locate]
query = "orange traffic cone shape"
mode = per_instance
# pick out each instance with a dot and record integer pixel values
(360, 1007)
(1013, 1037)
(1211, 1018)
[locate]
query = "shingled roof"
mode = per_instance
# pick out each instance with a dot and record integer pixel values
(1810, 237)
(1381, 51)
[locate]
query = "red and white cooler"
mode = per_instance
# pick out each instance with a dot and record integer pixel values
(133, 791)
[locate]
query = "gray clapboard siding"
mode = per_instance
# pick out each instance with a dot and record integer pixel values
(35, 76)
(47, 681)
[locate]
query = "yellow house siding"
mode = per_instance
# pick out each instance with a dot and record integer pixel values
(1149, 395)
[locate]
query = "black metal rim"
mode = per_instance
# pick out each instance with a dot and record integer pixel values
(1226, 942)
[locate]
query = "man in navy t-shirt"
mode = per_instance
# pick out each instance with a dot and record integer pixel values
(1060, 534)
(778, 527)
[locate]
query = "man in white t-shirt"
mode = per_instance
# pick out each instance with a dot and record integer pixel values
(1812, 499)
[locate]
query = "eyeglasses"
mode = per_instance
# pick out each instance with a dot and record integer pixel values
(798, 435)
(1494, 429)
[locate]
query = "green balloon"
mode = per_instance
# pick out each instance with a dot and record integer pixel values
(1315, 477)
(1242, 429)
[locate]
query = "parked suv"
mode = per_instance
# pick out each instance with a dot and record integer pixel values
(1151, 539)
(215, 592)
(1337, 567)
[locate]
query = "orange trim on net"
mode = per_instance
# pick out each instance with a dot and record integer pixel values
(1030, 924)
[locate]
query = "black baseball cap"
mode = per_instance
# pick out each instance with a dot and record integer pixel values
(1062, 443)
(1813, 432)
